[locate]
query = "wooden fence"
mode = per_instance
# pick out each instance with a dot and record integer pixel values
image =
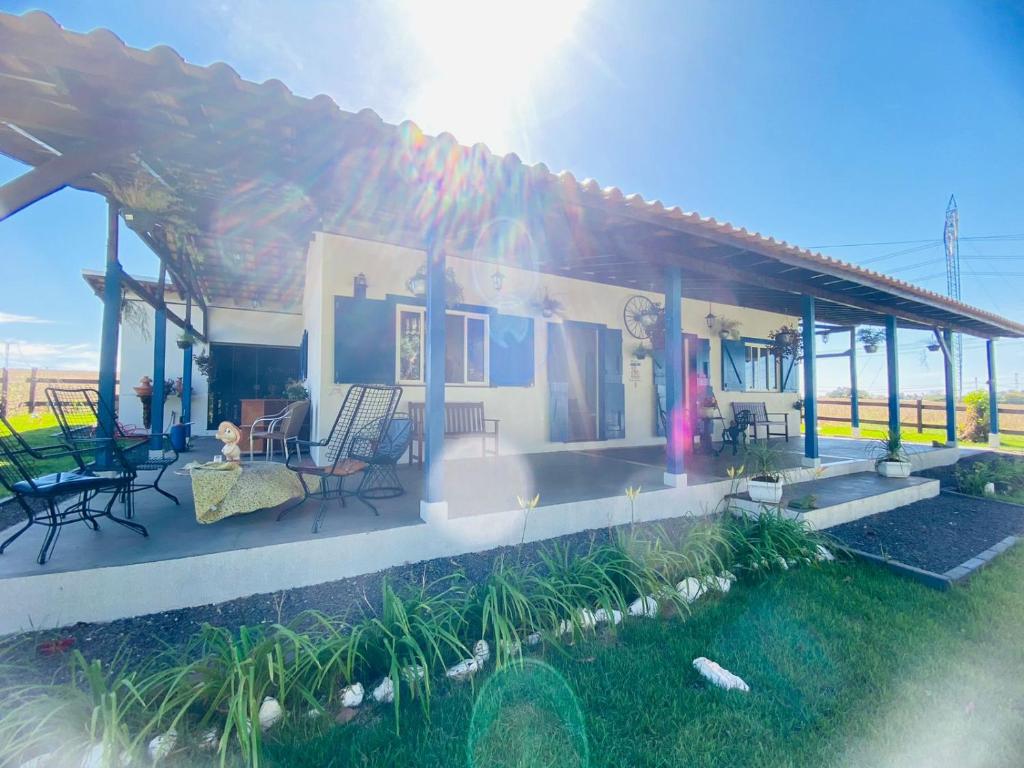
(22, 390)
(916, 414)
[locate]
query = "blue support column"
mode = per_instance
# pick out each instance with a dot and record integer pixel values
(159, 359)
(675, 471)
(812, 456)
(892, 367)
(111, 327)
(854, 399)
(947, 355)
(186, 373)
(993, 403)
(433, 505)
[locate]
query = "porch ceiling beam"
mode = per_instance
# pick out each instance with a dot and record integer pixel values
(192, 285)
(727, 273)
(941, 340)
(52, 176)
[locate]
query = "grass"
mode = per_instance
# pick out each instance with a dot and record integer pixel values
(39, 430)
(849, 666)
(1013, 443)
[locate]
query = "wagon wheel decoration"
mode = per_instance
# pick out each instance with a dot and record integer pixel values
(642, 317)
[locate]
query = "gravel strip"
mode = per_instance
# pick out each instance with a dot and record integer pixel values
(935, 534)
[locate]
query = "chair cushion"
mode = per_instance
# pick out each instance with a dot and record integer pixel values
(64, 482)
(343, 468)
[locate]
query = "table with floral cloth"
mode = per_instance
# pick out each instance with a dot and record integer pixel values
(224, 489)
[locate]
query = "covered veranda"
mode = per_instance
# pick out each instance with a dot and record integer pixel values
(227, 181)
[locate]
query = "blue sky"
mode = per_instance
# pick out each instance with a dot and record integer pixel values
(823, 124)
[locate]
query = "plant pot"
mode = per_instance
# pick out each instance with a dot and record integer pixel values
(707, 412)
(143, 391)
(723, 334)
(899, 469)
(785, 338)
(183, 344)
(871, 348)
(765, 491)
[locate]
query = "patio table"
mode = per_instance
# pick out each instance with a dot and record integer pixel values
(226, 489)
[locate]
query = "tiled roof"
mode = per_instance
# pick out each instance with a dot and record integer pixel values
(158, 77)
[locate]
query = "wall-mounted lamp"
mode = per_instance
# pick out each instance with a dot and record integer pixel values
(359, 286)
(417, 284)
(497, 279)
(710, 318)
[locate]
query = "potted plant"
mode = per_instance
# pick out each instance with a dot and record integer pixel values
(640, 352)
(892, 460)
(763, 460)
(186, 340)
(203, 363)
(548, 305)
(145, 387)
(787, 341)
(296, 390)
(870, 338)
(708, 406)
(728, 328)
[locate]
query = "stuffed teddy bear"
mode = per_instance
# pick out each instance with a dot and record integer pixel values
(229, 434)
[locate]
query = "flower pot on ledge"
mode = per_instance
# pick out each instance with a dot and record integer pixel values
(765, 491)
(890, 468)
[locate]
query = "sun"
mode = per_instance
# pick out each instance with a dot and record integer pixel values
(483, 59)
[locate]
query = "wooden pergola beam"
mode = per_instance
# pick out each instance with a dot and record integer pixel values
(158, 303)
(53, 176)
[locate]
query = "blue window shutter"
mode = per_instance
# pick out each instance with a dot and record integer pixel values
(704, 359)
(734, 360)
(364, 341)
(558, 384)
(511, 351)
(790, 374)
(658, 366)
(613, 392)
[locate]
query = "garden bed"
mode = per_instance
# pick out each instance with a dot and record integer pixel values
(935, 535)
(136, 639)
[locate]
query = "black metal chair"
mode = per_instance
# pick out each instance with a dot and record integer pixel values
(78, 411)
(380, 479)
(55, 499)
(351, 446)
(736, 431)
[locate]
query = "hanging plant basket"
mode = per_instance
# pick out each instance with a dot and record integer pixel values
(870, 338)
(786, 341)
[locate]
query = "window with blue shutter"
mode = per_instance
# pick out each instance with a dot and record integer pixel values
(364, 341)
(613, 391)
(734, 360)
(511, 351)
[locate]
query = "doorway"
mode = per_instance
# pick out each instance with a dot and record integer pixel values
(247, 371)
(575, 382)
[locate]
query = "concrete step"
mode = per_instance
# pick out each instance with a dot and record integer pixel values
(844, 498)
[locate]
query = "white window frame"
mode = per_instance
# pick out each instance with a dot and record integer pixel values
(466, 316)
(764, 351)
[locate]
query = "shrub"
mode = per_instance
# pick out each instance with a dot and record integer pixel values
(771, 541)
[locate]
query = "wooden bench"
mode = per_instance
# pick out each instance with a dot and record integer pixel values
(760, 417)
(460, 420)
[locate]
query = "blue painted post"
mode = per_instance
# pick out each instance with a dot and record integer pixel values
(675, 470)
(159, 357)
(854, 399)
(947, 354)
(993, 403)
(186, 372)
(433, 506)
(812, 455)
(892, 367)
(110, 330)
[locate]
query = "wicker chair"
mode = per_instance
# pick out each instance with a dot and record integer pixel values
(350, 446)
(283, 426)
(55, 499)
(77, 412)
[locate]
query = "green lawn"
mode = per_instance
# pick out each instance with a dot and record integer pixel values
(1013, 443)
(849, 665)
(41, 430)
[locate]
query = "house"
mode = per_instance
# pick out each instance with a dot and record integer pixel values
(299, 241)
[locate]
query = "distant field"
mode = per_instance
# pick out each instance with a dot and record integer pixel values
(20, 390)
(932, 413)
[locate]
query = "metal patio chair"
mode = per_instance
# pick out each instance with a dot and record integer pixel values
(736, 431)
(78, 411)
(380, 479)
(350, 446)
(283, 426)
(55, 499)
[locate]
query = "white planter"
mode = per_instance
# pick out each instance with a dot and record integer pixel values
(765, 492)
(893, 468)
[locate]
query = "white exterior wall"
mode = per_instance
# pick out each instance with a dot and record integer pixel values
(333, 261)
(227, 325)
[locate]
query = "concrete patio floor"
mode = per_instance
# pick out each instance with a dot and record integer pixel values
(475, 486)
